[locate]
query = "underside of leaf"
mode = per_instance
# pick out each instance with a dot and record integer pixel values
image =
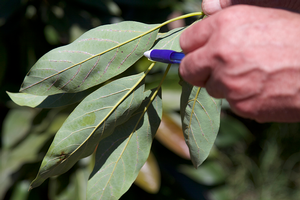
(94, 119)
(120, 156)
(93, 58)
(200, 114)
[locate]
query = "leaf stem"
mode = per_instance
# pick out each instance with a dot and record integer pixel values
(151, 100)
(182, 17)
(159, 86)
(147, 32)
(194, 103)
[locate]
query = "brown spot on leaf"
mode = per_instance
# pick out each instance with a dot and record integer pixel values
(62, 156)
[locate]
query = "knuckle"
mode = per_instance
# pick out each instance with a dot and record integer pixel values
(182, 41)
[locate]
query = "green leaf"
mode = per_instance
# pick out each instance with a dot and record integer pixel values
(24, 99)
(148, 178)
(92, 120)
(12, 160)
(169, 40)
(231, 132)
(171, 136)
(210, 173)
(20, 191)
(27, 150)
(76, 186)
(103, 6)
(120, 156)
(51, 101)
(200, 114)
(16, 125)
(93, 58)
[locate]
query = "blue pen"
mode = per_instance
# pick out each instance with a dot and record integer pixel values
(164, 55)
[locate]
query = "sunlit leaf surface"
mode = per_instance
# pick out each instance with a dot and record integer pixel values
(200, 115)
(51, 101)
(24, 99)
(120, 156)
(93, 120)
(93, 58)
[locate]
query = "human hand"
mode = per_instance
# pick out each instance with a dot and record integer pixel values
(210, 7)
(250, 56)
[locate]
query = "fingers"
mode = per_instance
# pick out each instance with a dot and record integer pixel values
(196, 36)
(194, 68)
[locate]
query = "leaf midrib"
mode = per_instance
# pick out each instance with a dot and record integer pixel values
(117, 46)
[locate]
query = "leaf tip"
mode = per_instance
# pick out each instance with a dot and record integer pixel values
(8, 93)
(36, 182)
(196, 163)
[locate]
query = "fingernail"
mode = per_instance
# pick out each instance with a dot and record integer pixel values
(210, 7)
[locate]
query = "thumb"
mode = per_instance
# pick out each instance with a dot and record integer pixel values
(210, 7)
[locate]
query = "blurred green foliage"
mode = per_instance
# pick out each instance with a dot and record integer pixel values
(249, 160)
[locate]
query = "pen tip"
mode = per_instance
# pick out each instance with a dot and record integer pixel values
(147, 54)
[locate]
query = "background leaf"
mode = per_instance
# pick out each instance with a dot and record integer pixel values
(83, 63)
(149, 176)
(93, 119)
(171, 136)
(120, 156)
(20, 192)
(11, 161)
(200, 115)
(231, 132)
(28, 149)
(16, 125)
(210, 173)
(76, 182)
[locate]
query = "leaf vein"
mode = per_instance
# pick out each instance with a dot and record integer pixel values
(109, 63)
(207, 114)
(66, 61)
(78, 70)
(74, 51)
(172, 40)
(129, 54)
(99, 40)
(120, 31)
(90, 71)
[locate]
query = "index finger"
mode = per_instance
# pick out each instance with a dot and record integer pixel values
(196, 36)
